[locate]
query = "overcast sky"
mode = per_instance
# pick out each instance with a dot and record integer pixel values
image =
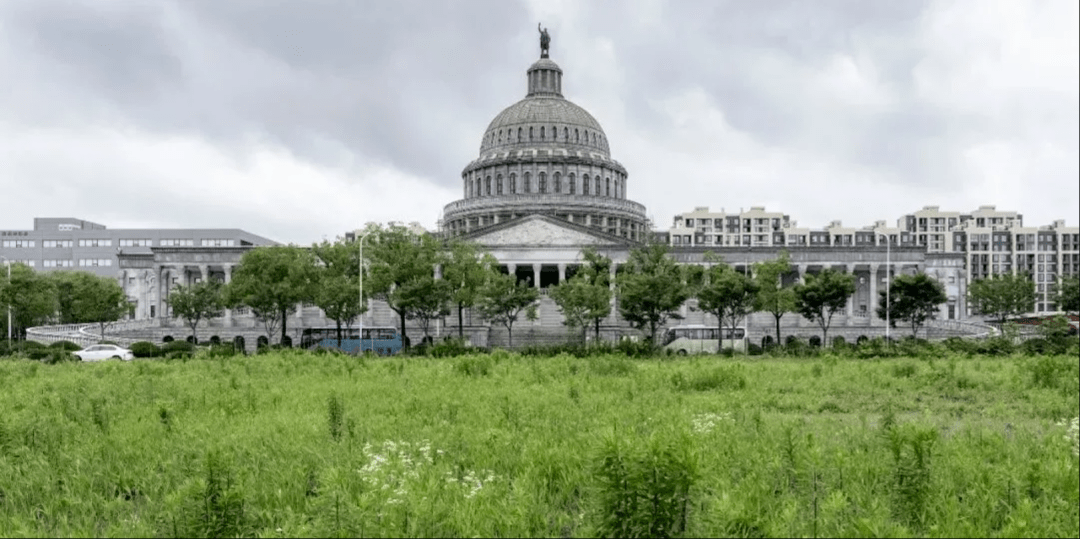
(299, 120)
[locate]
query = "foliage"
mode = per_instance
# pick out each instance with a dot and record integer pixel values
(66, 345)
(728, 295)
(272, 281)
(504, 299)
(196, 302)
(1068, 296)
(645, 489)
(1003, 295)
(30, 295)
(651, 289)
(99, 300)
(822, 296)
(913, 299)
(338, 289)
(466, 269)
(772, 296)
(425, 298)
(585, 298)
(144, 349)
(399, 256)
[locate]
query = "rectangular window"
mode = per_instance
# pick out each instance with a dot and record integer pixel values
(136, 243)
(18, 244)
(177, 243)
(56, 244)
(95, 243)
(217, 243)
(57, 263)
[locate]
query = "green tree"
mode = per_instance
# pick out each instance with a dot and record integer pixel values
(98, 300)
(398, 256)
(30, 295)
(772, 296)
(465, 269)
(585, 298)
(1068, 295)
(913, 299)
(338, 290)
(652, 288)
(66, 284)
(728, 295)
(504, 299)
(271, 281)
(196, 302)
(822, 296)
(425, 299)
(1004, 295)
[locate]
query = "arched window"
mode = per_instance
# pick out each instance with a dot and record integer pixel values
(500, 136)
(577, 135)
(478, 191)
(607, 190)
(573, 183)
(558, 183)
(594, 139)
(513, 183)
(543, 183)
(554, 133)
(541, 132)
(586, 137)
(519, 134)
(585, 184)
(525, 187)
(566, 134)
(488, 182)
(598, 186)
(530, 133)
(498, 185)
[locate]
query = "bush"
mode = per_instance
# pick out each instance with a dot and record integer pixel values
(720, 378)
(645, 492)
(754, 350)
(177, 346)
(631, 348)
(54, 356)
(66, 345)
(145, 349)
(167, 338)
(221, 350)
(451, 348)
(997, 346)
(474, 365)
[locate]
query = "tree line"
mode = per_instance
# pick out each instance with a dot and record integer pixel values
(423, 279)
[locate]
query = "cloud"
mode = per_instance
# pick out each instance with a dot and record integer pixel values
(251, 114)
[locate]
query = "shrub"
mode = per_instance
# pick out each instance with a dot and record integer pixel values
(1054, 372)
(167, 338)
(474, 365)
(221, 350)
(997, 346)
(451, 348)
(839, 343)
(754, 350)
(54, 356)
(645, 492)
(145, 349)
(815, 341)
(66, 345)
(177, 346)
(719, 378)
(636, 348)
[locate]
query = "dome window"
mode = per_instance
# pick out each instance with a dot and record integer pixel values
(530, 134)
(543, 183)
(607, 191)
(498, 185)
(585, 184)
(513, 183)
(500, 136)
(577, 135)
(525, 187)
(488, 182)
(573, 183)
(558, 183)
(566, 134)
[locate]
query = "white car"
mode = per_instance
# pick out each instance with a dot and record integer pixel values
(101, 352)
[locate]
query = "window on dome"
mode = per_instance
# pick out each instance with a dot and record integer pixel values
(598, 186)
(594, 139)
(577, 136)
(519, 134)
(573, 184)
(530, 133)
(513, 183)
(498, 185)
(543, 183)
(558, 183)
(500, 136)
(585, 184)
(541, 132)
(566, 134)
(607, 191)
(525, 187)
(488, 182)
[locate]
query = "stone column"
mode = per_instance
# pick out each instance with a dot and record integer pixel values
(562, 273)
(160, 270)
(204, 272)
(536, 275)
(872, 304)
(851, 298)
(512, 270)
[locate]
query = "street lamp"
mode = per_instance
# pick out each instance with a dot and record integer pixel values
(8, 264)
(361, 314)
(888, 284)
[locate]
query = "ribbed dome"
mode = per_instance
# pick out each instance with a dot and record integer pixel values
(544, 119)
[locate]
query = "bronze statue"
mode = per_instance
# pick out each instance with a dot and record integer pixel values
(545, 41)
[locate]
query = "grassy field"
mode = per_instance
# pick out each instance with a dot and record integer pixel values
(289, 444)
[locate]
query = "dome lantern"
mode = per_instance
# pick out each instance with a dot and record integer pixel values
(545, 79)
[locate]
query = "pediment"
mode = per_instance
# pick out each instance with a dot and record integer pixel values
(539, 231)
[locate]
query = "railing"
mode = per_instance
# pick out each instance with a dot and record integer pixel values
(506, 201)
(973, 330)
(86, 334)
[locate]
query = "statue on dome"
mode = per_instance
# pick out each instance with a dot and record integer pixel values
(545, 41)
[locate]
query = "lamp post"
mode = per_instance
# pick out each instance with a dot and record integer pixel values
(888, 284)
(8, 264)
(361, 314)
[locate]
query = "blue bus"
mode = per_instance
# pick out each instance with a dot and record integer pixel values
(384, 341)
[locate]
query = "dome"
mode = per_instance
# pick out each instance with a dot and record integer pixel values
(544, 118)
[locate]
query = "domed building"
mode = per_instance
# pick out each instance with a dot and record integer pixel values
(545, 156)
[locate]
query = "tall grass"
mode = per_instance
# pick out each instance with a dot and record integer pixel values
(296, 444)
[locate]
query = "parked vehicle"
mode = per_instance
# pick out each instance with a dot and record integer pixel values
(697, 339)
(101, 352)
(384, 341)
